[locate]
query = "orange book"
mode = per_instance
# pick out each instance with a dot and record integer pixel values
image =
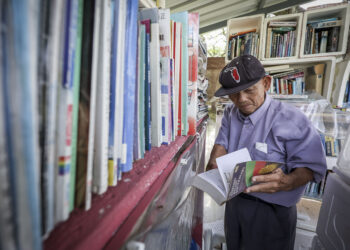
(242, 33)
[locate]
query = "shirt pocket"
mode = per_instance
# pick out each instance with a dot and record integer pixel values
(258, 155)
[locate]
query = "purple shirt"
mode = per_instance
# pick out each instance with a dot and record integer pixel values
(290, 138)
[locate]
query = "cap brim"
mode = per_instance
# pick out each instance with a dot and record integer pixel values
(228, 91)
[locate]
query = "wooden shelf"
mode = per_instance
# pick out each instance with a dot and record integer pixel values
(242, 24)
(342, 11)
(303, 62)
(291, 17)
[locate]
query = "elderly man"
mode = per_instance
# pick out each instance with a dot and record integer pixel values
(264, 216)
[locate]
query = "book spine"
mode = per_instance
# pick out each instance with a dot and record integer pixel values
(130, 82)
(65, 115)
(76, 87)
(100, 170)
(85, 107)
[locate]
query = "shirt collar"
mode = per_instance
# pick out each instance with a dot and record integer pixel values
(253, 118)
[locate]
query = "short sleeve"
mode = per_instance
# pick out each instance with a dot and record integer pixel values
(224, 132)
(306, 150)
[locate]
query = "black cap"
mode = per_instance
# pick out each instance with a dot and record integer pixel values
(241, 73)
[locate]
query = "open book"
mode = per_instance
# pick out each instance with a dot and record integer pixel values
(233, 176)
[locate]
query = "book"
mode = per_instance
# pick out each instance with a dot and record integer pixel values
(86, 108)
(100, 168)
(156, 124)
(112, 151)
(238, 179)
(147, 84)
(76, 88)
(48, 152)
(193, 35)
(282, 24)
(65, 115)
(141, 89)
(326, 24)
(182, 17)
(130, 84)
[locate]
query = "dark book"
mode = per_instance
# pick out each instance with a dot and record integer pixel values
(84, 102)
(333, 37)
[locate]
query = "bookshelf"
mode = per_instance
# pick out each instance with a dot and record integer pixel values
(284, 18)
(243, 24)
(343, 13)
(307, 62)
(342, 75)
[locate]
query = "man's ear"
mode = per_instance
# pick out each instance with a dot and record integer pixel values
(267, 82)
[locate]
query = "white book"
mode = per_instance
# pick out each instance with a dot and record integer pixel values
(92, 118)
(100, 169)
(65, 120)
(164, 35)
(119, 108)
(55, 69)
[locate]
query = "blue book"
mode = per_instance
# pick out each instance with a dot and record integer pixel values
(147, 84)
(112, 157)
(129, 82)
(19, 82)
(348, 86)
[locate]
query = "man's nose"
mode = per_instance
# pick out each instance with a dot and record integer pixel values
(242, 97)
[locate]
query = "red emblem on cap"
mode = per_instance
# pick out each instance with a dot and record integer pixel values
(235, 74)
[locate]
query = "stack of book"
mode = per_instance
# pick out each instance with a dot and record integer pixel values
(322, 36)
(202, 109)
(288, 83)
(315, 190)
(332, 146)
(114, 82)
(243, 43)
(281, 37)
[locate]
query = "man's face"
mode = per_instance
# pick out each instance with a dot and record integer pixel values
(250, 99)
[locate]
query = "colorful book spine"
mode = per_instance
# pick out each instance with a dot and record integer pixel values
(76, 88)
(193, 23)
(112, 152)
(65, 115)
(182, 17)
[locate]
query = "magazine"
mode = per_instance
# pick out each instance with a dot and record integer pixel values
(240, 178)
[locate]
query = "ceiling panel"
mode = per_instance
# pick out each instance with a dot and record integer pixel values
(213, 14)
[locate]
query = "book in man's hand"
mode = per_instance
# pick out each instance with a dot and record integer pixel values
(239, 179)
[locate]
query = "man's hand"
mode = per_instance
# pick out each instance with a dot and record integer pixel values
(278, 181)
(217, 151)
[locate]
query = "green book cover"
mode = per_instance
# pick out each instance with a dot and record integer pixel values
(76, 86)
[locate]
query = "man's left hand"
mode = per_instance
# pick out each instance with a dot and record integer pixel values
(279, 181)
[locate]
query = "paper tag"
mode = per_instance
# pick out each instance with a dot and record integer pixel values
(261, 147)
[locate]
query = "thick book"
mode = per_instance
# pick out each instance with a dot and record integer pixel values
(238, 179)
